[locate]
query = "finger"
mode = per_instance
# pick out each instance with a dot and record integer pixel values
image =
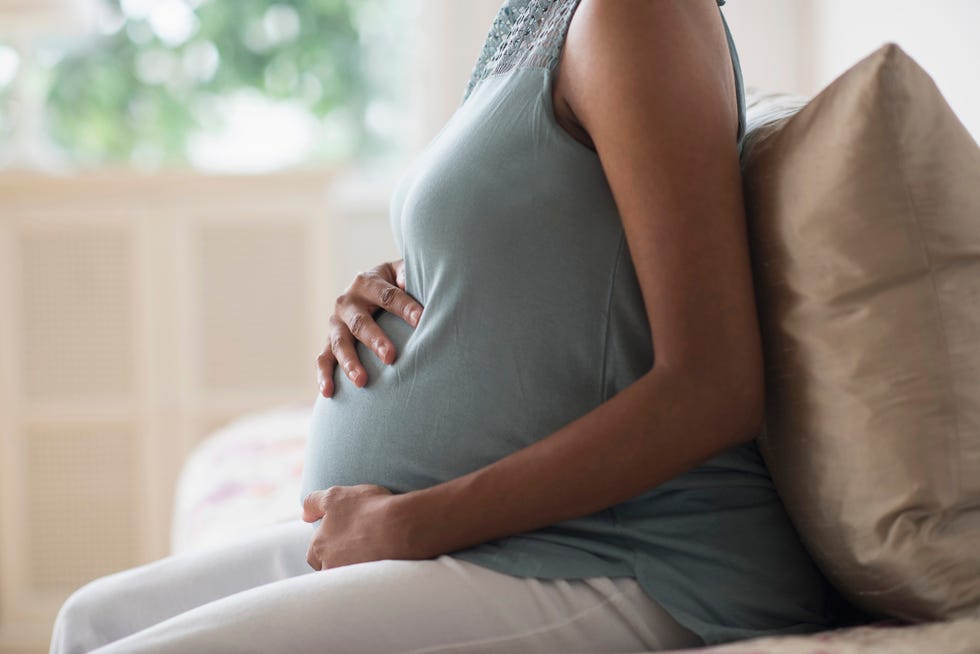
(342, 345)
(399, 268)
(374, 489)
(362, 326)
(394, 300)
(325, 364)
(313, 508)
(312, 559)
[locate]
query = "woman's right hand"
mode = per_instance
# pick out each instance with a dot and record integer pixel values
(381, 287)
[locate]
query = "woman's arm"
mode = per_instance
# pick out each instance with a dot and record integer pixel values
(652, 84)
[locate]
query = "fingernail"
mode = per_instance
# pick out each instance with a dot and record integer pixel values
(383, 351)
(416, 314)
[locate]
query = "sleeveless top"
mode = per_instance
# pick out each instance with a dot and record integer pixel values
(533, 317)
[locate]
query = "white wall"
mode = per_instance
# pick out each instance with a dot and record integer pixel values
(943, 36)
(775, 43)
(800, 46)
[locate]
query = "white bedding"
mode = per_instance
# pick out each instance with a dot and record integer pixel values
(247, 475)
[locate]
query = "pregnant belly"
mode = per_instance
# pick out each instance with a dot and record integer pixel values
(455, 400)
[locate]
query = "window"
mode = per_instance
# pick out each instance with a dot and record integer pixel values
(9, 65)
(228, 85)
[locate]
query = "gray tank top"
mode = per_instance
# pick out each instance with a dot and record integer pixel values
(533, 317)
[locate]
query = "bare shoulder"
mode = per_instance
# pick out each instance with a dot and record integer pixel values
(645, 47)
(651, 83)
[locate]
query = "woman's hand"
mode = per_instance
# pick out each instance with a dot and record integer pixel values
(381, 287)
(360, 523)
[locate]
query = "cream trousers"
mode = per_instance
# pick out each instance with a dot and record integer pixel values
(259, 595)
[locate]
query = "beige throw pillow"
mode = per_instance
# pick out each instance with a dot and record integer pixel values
(864, 220)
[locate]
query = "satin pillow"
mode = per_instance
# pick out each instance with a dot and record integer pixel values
(864, 225)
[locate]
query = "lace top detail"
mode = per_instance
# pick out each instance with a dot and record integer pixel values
(532, 33)
(524, 33)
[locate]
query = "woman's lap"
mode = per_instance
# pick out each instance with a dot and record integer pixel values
(120, 604)
(260, 595)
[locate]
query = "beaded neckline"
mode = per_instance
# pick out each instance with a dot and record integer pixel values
(531, 33)
(526, 33)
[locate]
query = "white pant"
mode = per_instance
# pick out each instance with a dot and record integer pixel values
(259, 595)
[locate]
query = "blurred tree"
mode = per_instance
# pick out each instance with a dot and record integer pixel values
(162, 72)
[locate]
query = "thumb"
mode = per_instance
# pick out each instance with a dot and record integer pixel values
(313, 508)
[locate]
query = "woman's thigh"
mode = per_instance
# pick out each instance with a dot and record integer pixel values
(438, 605)
(120, 604)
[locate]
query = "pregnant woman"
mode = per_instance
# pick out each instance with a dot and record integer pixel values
(544, 442)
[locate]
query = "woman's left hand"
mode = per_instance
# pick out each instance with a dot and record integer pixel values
(359, 524)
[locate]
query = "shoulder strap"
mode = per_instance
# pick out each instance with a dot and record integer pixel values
(739, 84)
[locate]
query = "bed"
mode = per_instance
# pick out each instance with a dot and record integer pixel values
(246, 475)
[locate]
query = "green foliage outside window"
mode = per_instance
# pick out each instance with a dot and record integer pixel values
(148, 83)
